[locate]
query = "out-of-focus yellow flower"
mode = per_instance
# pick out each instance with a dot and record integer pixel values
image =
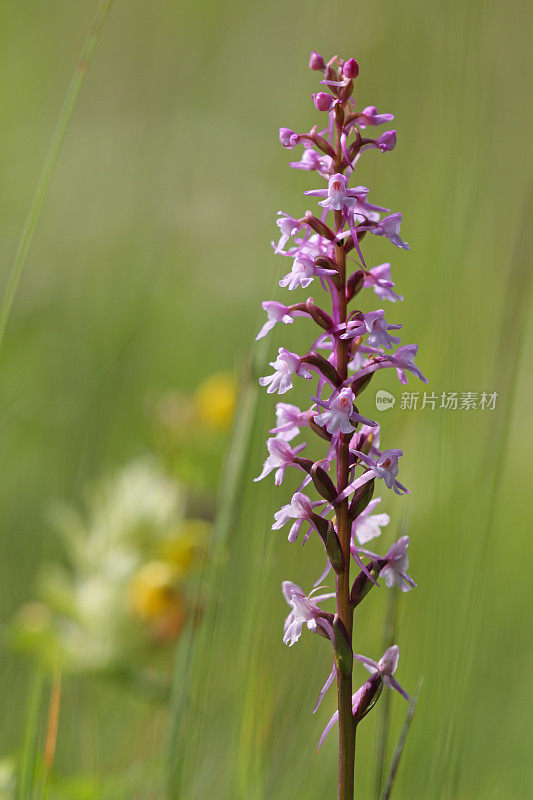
(186, 544)
(215, 400)
(151, 590)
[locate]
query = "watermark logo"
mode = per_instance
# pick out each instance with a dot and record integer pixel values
(448, 401)
(384, 400)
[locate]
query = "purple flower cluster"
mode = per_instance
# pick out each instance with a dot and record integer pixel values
(325, 247)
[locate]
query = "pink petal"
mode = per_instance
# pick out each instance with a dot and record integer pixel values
(333, 721)
(324, 689)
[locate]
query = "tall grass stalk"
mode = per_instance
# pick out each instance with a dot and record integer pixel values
(514, 315)
(29, 767)
(194, 653)
(49, 164)
(401, 743)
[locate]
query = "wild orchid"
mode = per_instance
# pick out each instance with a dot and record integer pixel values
(325, 248)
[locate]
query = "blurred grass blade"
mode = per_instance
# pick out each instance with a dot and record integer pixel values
(51, 732)
(49, 165)
(515, 310)
(199, 640)
(235, 472)
(401, 742)
(29, 759)
(516, 305)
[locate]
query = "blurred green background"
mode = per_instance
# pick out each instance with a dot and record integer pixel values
(150, 259)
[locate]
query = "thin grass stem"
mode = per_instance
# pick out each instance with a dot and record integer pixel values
(401, 743)
(198, 639)
(29, 763)
(49, 165)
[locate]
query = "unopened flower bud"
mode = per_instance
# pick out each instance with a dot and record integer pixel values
(288, 138)
(387, 141)
(351, 69)
(316, 61)
(323, 101)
